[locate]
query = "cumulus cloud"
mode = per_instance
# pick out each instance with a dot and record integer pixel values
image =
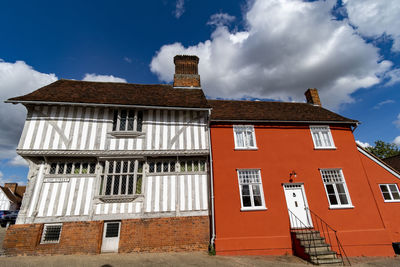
(92, 77)
(382, 103)
(18, 161)
(397, 121)
(287, 47)
(220, 19)
(393, 76)
(396, 141)
(179, 8)
(362, 143)
(376, 18)
(16, 79)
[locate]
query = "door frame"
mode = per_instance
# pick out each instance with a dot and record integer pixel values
(104, 236)
(303, 192)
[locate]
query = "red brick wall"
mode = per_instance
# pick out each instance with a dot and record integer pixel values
(159, 234)
(165, 234)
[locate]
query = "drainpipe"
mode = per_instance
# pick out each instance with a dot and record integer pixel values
(211, 182)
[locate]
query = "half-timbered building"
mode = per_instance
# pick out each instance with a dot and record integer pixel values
(115, 167)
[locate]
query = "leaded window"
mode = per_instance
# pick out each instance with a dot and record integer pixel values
(244, 137)
(77, 168)
(162, 166)
(251, 191)
(51, 233)
(192, 165)
(158, 166)
(127, 120)
(335, 187)
(322, 137)
(121, 177)
(390, 192)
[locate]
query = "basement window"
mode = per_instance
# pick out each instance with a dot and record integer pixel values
(322, 137)
(126, 120)
(336, 189)
(390, 192)
(51, 233)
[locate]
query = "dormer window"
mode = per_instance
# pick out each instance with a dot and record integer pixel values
(322, 137)
(127, 120)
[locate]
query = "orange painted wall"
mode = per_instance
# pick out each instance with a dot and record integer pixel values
(390, 211)
(282, 149)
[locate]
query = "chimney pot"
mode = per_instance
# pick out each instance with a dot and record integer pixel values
(312, 97)
(186, 71)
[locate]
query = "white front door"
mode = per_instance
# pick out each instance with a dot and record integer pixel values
(110, 237)
(297, 205)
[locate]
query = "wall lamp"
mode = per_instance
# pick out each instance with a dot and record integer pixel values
(292, 175)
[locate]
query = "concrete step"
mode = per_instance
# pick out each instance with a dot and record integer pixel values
(308, 235)
(312, 242)
(328, 262)
(323, 256)
(319, 247)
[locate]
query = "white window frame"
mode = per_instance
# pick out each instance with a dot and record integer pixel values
(42, 241)
(262, 207)
(318, 129)
(346, 190)
(117, 121)
(243, 128)
(390, 193)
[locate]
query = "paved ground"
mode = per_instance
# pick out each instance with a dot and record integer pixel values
(172, 259)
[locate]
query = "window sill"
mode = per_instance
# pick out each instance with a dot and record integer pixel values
(341, 207)
(325, 148)
(246, 148)
(253, 209)
(118, 199)
(392, 201)
(126, 134)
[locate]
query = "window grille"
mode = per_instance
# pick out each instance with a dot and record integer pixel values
(244, 136)
(72, 168)
(251, 191)
(322, 137)
(390, 192)
(192, 165)
(169, 165)
(112, 229)
(335, 187)
(51, 233)
(127, 120)
(121, 177)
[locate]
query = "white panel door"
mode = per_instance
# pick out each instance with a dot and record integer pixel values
(111, 237)
(297, 204)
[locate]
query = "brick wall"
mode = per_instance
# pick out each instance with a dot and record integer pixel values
(165, 234)
(159, 234)
(76, 238)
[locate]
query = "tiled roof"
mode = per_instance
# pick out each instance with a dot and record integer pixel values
(394, 162)
(229, 110)
(116, 93)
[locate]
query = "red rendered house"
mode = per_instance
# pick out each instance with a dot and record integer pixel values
(287, 176)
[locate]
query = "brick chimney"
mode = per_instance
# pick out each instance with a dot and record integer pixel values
(312, 97)
(11, 186)
(186, 72)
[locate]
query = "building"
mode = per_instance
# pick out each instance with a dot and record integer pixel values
(394, 162)
(115, 167)
(288, 173)
(11, 196)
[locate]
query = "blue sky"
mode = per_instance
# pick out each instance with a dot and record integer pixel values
(275, 49)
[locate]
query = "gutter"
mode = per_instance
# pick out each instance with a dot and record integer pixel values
(288, 121)
(102, 105)
(211, 183)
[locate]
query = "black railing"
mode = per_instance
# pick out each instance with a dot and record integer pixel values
(317, 226)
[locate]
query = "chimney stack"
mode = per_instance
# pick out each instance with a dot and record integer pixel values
(186, 71)
(312, 97)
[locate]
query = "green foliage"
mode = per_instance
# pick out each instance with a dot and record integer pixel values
(211, 250)
(384, 150)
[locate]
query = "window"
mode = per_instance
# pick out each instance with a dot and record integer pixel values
(336, 189)
(121, 177)
(192, 165)
(322, 137)
(161, 166)
(51, 233)
(72, 168)
(244, 137)
(169, 165)
(127, 120)
(251, 191)
(390, 192)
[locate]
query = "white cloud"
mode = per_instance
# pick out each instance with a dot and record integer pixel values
(179, 8)
(287, 47)
(127, 59)
(385, 102)
(363, 144)
(220, 19)
(18, 161)
(397, 121)
(103, 78)
(396, 141)
(393, 76)
(374, 18)
(16, 79)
